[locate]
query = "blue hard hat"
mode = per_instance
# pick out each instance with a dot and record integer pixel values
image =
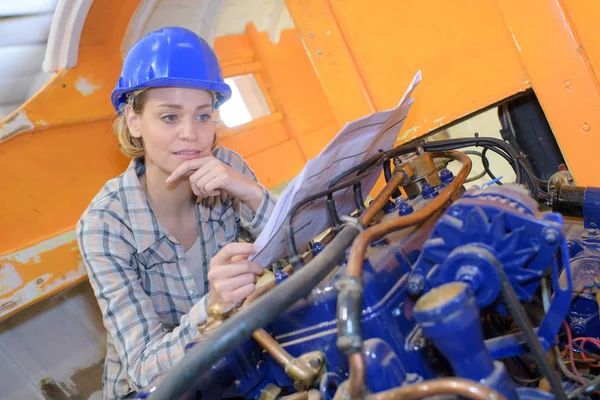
(171, 56)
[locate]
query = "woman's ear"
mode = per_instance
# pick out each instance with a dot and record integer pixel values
(133, 122)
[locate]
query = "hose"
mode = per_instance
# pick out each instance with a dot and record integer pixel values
(457, 386)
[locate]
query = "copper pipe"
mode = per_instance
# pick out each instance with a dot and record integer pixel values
(377, 205)
(295, 368)
(357, 374)
(458, 386)
(376, 232)
(362, 241)
(267, 342)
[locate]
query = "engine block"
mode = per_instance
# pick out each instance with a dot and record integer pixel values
(435, 302)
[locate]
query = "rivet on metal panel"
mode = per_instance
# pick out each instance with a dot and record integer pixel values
(310, 35)
(319, 52)
(567, 83)
(586, 127)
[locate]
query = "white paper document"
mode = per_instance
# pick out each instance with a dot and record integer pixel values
(355, 143)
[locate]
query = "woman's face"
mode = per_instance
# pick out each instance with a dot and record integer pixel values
(176, 125)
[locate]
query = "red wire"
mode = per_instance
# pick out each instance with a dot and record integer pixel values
(571, 357)
(585, 340)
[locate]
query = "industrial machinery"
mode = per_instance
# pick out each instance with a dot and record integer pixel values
(432, 289)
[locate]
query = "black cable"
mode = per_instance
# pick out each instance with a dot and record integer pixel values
(484, 162)
(518, 312)
(239, 327)
(358, 198)
(334, 218)
(360, 168)
(486, 167)
(288, 228)
(364, 169)
(387, 174)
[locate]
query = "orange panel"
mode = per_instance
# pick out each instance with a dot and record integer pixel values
(330, 55)
(277, 164)
(466, 55)
(233, 49)
(65, 169)
(295, 83)
(584, 16)
(568, 90)
(52, 172)
(252, 141)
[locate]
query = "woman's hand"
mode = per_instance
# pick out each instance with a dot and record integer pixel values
(231, 275)
(210, 175)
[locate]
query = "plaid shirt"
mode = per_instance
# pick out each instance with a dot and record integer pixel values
(149, 300)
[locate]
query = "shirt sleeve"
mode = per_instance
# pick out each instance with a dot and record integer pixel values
(144, 345)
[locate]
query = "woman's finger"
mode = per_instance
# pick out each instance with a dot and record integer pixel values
(201, 183)
(228, 270)
(238, 295)
(231, 250)
(212, 187)
(187, 166)
(201, 172)
(224, 286)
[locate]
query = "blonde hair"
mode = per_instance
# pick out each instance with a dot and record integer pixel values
(131, 146)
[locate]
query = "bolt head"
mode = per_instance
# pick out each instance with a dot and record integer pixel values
(415, 284)
(551, 236)
(314, 362)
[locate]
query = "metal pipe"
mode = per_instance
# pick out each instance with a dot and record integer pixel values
(295, 368)
(458, 386)
(362, 241)
(377, 205)
(357, 375)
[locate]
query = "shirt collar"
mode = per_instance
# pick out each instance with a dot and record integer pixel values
(144, 224)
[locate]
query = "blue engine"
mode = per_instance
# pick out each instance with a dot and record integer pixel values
(433, 303)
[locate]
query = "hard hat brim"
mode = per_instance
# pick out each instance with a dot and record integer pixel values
(222, 90)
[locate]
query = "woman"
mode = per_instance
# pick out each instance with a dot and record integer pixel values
(160, 242)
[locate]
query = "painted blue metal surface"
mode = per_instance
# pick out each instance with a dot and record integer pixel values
(449, 316)
(591, 208)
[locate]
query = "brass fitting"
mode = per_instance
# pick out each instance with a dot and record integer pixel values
(304, 370)
(417, 169)
(217, 313)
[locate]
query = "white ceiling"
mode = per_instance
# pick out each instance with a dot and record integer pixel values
(24, 27)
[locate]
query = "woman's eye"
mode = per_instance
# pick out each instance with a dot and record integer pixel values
(169, 118)
(204, 117)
